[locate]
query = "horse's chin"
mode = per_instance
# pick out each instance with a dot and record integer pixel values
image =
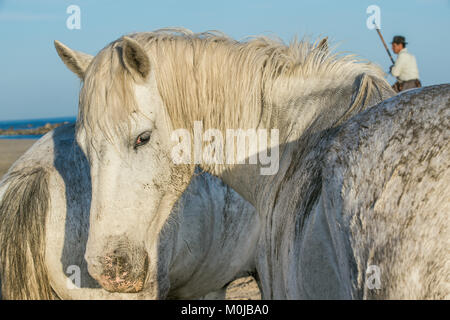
(122, 286)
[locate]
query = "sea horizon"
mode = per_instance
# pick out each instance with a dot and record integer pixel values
(23, 124)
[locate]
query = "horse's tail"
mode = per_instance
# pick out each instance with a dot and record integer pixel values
(23, 211)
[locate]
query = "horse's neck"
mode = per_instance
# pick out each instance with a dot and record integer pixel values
(299, 116)
(287, 202)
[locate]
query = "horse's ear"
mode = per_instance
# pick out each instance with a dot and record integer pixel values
(323, 44)
(76, 61)
(135, 58)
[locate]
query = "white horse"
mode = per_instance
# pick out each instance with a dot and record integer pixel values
(44, 213)
(325, 205)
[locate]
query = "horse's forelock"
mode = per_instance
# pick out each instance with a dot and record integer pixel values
(107, 98)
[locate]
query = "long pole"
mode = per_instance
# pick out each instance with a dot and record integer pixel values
(385, 46)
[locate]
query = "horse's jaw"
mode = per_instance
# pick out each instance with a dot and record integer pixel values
(160, 246)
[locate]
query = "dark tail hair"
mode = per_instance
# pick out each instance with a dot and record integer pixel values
(23, 211)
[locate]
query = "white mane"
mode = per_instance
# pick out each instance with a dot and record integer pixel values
(208, 74)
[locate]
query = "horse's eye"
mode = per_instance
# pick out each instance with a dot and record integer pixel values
(142, 139)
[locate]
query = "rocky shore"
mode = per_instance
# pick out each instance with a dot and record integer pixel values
(32, 131)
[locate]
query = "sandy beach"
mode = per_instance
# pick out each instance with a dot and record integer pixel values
(11, 150)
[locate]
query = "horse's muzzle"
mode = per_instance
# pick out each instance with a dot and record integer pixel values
(122, 271)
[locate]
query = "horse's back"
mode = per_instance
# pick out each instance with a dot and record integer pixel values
(387, 171)
(26, 194)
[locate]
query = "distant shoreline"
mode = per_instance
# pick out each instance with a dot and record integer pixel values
(40, 131)
(31, 129)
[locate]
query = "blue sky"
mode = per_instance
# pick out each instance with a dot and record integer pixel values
(35, 84)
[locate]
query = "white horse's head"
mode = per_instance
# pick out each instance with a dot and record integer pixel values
(134, 182)
(136, 93)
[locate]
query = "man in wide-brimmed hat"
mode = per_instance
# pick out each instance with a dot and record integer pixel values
(405, 68)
